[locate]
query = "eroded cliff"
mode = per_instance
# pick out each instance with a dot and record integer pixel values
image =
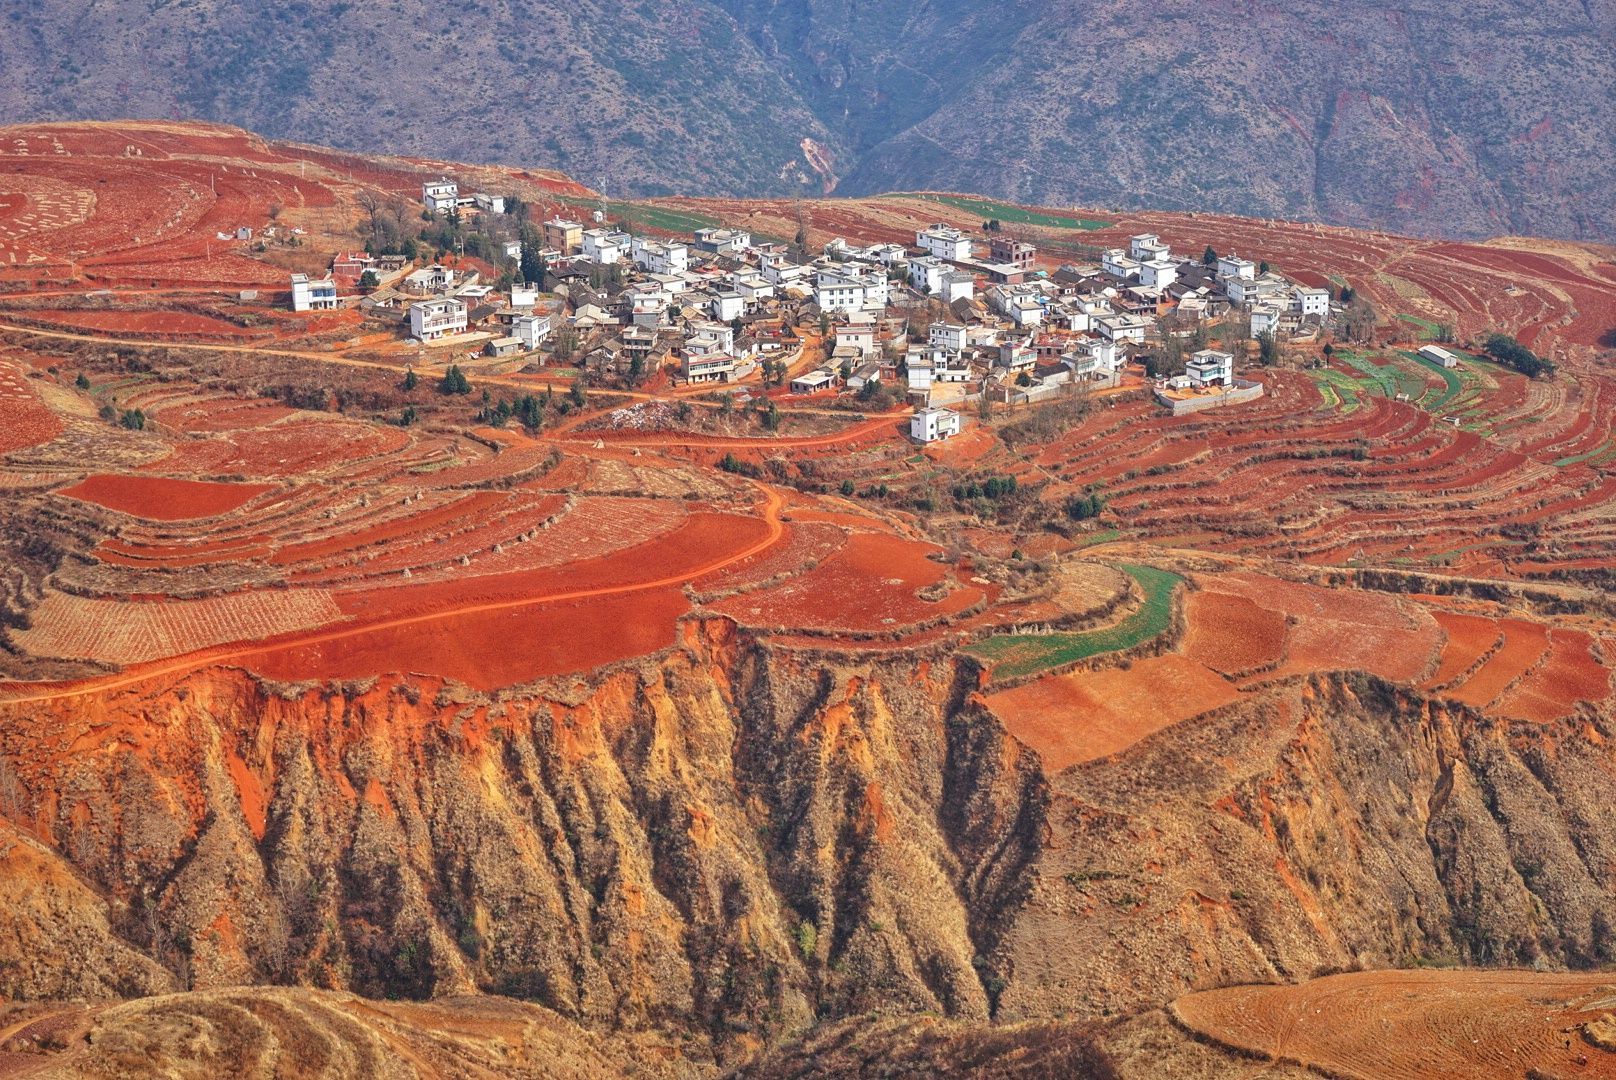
(724, 847)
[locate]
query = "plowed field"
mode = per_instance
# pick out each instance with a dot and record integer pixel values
(160, 498)
(1391, 1025)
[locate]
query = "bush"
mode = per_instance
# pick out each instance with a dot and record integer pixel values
(733, 464)
(808, 939)
(454, 381)
(1083, 507)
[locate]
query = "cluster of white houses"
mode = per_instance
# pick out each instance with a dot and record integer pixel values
(948, 320)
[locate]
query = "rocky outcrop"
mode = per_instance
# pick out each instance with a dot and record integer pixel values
(732, 842)
(1343, 823)
(735, 842)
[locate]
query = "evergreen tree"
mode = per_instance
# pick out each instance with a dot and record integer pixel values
(1209, 257)
(454, 381)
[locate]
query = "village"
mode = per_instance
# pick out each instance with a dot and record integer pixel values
(955, 323)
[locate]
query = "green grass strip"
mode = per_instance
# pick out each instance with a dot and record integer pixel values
(1015, 655)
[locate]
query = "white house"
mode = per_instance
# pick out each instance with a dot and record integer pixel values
(313, 295)
(932, 425)
(944, 242)
(1017, 356)
(1264, 319)
(1118, 327)
(1024, 309)
(856, 336)
(489, 204)
(754, 288)
(727, 305)
(1118, 264)
(850, 289)
(1440, 356)
(1230, 268)
(722, 241)
(433, 319)
(656, 257)
(604, 246)
(813, 382)
(1158, 273)
(531, 330)
(1311, 301)
(780, 273)
(524, 295)
(440, 196)
(710, 337)
(957, 285)
(1210, 368)
(708, 367)
(926, 274)
(1147, 247)
(1095, 358)
(950, 336)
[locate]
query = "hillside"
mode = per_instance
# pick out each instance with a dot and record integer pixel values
(1481, 120)
(353, 725)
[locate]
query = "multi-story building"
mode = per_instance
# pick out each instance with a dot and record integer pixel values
(313, 295)
(944, 242)
(433, 319)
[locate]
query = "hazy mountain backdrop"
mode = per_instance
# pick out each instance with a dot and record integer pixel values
(1420, 115)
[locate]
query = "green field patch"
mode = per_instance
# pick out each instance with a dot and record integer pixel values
(1454, 383)
(1429, 331)
(1104, 536)
(1595, 455)
(662, 218)
(1015, 655)
(988, 209)
(1339, 391)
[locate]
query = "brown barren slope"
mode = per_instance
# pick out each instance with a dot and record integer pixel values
(1390, 1025)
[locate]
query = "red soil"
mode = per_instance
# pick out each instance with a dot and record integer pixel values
(1231, 634)
(24, 419)
(1571, 674)
(871, 584)
(1524, 644)
(161, 498)
(1342, 629)
(1083, 715)
(489, 650)
(703, 538)
(155, 323)
(1468, 638)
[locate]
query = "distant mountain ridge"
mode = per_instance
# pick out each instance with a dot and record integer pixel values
(1425, 117)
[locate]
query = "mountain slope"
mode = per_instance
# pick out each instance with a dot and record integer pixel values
(1417, 118)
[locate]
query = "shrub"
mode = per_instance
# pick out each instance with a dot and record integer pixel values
(454, 381)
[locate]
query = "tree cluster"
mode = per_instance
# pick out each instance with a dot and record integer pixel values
(1511, 353)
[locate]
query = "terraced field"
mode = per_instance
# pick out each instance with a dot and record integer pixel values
(1013, 656)
(1385, 1024)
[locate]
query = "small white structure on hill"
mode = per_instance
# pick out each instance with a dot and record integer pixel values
(934, 425)
(440, 196)
(313, 295)
(1438, 355)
